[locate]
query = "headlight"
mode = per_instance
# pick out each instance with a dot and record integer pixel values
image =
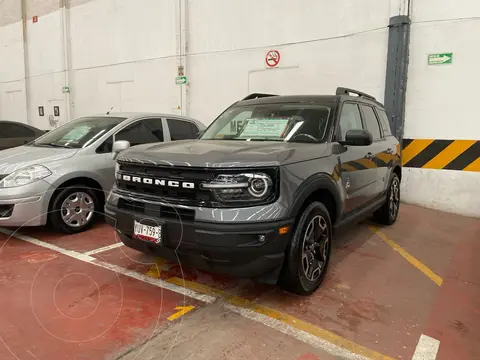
(254, 187)
(25, 176)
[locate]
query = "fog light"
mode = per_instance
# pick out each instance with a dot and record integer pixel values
(261, 239)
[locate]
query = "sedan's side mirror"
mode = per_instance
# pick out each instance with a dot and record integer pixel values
(358, 138)
(119, 146)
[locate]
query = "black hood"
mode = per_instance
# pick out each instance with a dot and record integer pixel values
(224, 153)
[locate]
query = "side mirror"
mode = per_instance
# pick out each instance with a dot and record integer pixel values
(200, 133)
(358, 138)
(119, 146)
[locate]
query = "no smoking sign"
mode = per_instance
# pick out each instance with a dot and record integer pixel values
(273, 58)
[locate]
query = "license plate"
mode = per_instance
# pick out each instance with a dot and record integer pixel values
(147, 232)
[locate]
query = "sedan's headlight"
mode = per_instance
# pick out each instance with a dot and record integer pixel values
(253, 187)
(25, 176)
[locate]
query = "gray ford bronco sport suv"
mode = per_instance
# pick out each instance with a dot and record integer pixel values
(259, 194)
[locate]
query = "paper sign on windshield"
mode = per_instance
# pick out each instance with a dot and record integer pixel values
(77, 133)
(269, 128)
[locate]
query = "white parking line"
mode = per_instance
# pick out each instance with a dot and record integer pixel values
(427, 348)
(102, 249)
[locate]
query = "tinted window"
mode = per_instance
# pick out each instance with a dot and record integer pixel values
(384, 122)
(180, 130)
(371, 122)
(142, 132)
(350, 119)
(16, 131)
(195, 129)
(79, 133)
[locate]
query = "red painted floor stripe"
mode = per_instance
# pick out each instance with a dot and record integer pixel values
(55, 307)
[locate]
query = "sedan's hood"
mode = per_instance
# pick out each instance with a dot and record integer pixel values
(224, 153)
(19, 157)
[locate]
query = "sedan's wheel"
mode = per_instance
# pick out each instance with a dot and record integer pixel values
(388, 213)
(77, 209)
(309, 252)
(74, 209)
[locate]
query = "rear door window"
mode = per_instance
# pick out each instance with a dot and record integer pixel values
(180, 130)
(371, 122)
(384, 122)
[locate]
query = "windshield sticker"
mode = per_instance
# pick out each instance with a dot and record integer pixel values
(271, 128)
(76, 134)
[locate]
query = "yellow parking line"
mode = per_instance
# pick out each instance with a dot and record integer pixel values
(284, 318)
(412, 260)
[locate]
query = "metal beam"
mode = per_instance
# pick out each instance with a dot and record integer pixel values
(397, 72)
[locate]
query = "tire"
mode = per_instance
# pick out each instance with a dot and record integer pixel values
(295, 277)
(388, 213)
(86, 209)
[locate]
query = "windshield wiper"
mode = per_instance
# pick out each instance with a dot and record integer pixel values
(55, 145)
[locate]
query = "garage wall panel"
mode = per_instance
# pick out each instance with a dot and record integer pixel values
(442, 105)
(227, 57)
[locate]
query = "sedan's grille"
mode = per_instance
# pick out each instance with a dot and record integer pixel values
(155, 210)
(175, 185)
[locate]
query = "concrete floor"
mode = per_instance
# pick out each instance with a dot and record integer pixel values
(84, 297)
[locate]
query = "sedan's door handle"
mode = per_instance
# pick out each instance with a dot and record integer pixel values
(370, 156)
(389, 151)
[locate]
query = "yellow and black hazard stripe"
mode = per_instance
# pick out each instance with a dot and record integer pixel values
(441, 154)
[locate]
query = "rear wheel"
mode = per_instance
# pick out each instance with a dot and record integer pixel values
(74, 209)
(388, 213)
(309, 252)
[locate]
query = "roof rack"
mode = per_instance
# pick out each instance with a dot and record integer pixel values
(257, 96)
(347, 91)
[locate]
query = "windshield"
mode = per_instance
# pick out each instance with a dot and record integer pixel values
(271, 122)
(79, 133)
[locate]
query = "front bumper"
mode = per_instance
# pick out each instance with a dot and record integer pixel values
(230, 249)
(25, 205)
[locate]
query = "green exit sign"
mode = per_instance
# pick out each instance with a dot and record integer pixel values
(440, 59)
(180, 80)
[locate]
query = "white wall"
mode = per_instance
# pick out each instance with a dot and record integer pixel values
(442, 100)
(316, 40)
(123, 54)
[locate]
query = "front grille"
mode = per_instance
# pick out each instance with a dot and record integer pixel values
(158, 211)
(181, 195)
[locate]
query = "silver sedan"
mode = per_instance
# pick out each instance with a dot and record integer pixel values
(62, 177)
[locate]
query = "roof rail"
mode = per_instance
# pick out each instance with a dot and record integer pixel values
(347, 91)
(257, 96)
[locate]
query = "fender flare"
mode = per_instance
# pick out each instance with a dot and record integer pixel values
(316, 182)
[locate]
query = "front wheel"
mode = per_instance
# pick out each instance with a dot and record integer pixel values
(309, 252)
(74, 209)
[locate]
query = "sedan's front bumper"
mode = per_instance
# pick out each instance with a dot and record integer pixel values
(25, 205)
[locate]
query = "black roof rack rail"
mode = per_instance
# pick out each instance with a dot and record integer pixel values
(347, 91)
(257, 96)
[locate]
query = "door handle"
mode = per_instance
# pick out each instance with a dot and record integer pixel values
(389, 151)
(370, 156)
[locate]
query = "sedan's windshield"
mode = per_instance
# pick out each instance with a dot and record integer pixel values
(78, 133)
(272, 122)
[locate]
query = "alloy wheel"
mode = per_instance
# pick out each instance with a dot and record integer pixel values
(316, 242)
